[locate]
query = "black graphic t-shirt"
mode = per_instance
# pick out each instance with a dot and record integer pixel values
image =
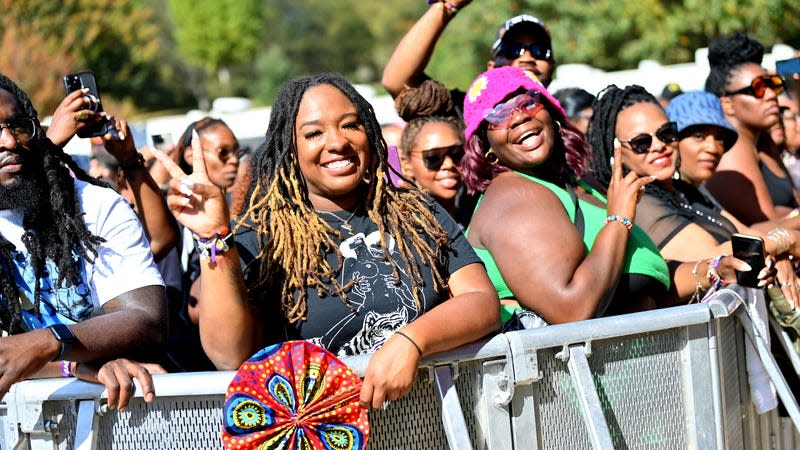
(381, 305)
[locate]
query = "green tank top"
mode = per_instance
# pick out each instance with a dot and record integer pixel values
(641, 254)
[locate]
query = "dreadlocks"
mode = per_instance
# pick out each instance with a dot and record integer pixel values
(602, 132)
(294, 239)
(54, 227)
(726, 56)
(429, 103)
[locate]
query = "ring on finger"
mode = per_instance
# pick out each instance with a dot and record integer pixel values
(785, 283)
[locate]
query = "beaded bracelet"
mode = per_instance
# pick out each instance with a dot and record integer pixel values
(712, 273)
(220, 242)
(621, 219)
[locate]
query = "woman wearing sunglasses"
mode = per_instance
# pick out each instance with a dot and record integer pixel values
(432, 143)
(551, 244)
(754, 186)
(630, 122)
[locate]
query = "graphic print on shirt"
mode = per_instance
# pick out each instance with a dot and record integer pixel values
(390, 306)
(65, 305)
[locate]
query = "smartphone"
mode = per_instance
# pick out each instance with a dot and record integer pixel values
(787, 67)
(161, 141)
(749, 249)
(80, 80)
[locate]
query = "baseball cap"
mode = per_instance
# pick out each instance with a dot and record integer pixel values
(494, 85)
(522, 20)
(671, 90)
(694, 109)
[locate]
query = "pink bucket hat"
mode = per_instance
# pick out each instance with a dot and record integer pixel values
(494, 85)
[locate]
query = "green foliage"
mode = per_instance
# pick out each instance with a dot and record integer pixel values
(119, 40)
(159, 54)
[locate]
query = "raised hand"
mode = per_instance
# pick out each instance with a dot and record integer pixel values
(625, 191)
(71, 116)
(194, 200)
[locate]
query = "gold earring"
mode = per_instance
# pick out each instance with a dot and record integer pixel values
(491, 157)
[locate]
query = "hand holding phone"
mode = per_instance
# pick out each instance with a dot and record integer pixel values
(86, 80)
(749, 249)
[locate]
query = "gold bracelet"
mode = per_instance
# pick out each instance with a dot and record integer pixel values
(697, 284)
(781, 238)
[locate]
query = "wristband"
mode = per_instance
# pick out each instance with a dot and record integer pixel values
(210, 247)
(449, 6)
(66, 369)
(621, 219)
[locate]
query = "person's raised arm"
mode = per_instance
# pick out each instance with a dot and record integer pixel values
(540, 253)
(150, 205)
(407, 64)
(70, 117)
(229, 330)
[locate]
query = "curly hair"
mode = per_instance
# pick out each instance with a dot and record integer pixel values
(726, 56)
(571, 149)
(54, 230)
(295, 239)
(602, 132)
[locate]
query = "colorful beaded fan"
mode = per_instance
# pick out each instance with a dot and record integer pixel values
(294, 396)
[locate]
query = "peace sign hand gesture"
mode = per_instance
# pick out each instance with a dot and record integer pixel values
(193, 199)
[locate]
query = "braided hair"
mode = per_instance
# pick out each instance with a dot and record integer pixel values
(294, 239)
(602, 132)
(429, 103)
(728, 55)
(54, 229)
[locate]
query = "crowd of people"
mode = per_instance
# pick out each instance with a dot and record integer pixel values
(505, 206)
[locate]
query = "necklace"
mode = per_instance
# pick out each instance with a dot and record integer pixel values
(345, 221)
(684, 202)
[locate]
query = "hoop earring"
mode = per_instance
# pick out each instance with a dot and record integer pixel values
(558, 125)
(367, 178)
(491, 157)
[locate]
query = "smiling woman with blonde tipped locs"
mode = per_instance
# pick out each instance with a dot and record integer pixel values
(332, 252)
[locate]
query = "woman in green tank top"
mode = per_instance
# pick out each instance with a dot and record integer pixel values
(551, 244)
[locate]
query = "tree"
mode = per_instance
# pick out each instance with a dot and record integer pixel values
(217, 37)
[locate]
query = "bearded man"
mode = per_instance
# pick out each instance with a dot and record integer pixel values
(78, 287)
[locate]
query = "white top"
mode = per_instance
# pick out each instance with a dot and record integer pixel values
(124, 261)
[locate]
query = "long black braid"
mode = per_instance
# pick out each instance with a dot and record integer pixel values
(602, 132)
(54, 230)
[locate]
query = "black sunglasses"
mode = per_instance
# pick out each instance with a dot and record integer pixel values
(758, 87)
(640, 144)
(433, 158)
(513, 50)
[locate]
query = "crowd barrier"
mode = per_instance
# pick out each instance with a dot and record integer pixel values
(667, 379)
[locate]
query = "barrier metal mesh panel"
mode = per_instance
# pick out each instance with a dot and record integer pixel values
(638, 380)
(413, 422)
(167, 423)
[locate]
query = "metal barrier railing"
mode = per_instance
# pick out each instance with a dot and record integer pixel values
(670, 378)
